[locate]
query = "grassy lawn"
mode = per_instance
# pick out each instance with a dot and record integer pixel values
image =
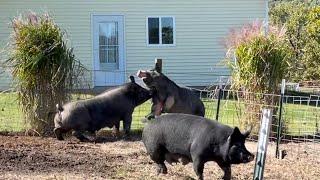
(299, 119)
(10, 114)
(302, 119)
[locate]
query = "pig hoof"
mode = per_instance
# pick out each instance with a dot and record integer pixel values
(162, 171)
(60, 138)
(80, 136)
(91, 138)
(184, 161)
(150, 117)
(126, 137)
(226, 177)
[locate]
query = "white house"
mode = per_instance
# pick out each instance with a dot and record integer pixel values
(115, 38)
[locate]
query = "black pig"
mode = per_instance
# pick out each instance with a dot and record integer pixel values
(169, 97)
(104, 110)
(172, 137)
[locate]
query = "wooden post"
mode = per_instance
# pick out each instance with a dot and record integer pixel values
(219, 99)
(158, 65)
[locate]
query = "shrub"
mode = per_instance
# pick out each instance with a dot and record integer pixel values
(258, 63)
(42, 67)
(261, 60)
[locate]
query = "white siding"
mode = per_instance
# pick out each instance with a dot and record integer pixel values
(201, 26)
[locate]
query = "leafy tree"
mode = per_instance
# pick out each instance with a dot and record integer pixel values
(311, 58)
(295, 16)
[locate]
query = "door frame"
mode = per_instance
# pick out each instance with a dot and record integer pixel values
(92, 15)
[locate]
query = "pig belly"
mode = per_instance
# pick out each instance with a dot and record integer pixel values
(176, 158)
(104, 122)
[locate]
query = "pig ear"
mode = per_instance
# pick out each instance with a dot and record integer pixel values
(236, 134)
(132, 79)
(247, 133)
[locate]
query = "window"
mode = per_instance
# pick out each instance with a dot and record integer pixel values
(161, 31)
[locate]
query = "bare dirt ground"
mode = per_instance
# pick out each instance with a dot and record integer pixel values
(23, 157)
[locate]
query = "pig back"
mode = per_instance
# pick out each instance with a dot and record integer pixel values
(177, 132)
(114, 101)
(189, 102)
(75, 114)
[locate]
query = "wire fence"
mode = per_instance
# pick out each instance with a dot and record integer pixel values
(296, 129)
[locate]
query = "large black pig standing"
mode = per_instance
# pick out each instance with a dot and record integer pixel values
(169, 97)
(104, 110)
(188, 138)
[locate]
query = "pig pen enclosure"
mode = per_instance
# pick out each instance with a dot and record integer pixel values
(298, 145)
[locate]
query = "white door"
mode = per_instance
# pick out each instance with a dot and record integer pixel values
(108, 50)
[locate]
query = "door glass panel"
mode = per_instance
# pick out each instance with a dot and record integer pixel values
(108, 45)
(112, 54)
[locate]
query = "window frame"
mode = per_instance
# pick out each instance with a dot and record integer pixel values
(160, 31)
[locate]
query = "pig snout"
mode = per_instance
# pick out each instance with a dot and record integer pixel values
(146, 77)
(142, 74)
(247, 157)
(58, 133)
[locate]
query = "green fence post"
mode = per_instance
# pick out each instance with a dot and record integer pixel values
(283, 85)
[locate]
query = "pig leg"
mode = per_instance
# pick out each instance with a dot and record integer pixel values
(159, 158)
(91, 136)
(227, 171)
(171, 158)
(168, 103)
(127, 124)
(162, 169)
(198, 166)
(156, 108)
(158, 155)
(151, 115)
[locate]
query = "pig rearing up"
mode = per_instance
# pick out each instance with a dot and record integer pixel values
(104, 110)
(188, 138)
(169, 97)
